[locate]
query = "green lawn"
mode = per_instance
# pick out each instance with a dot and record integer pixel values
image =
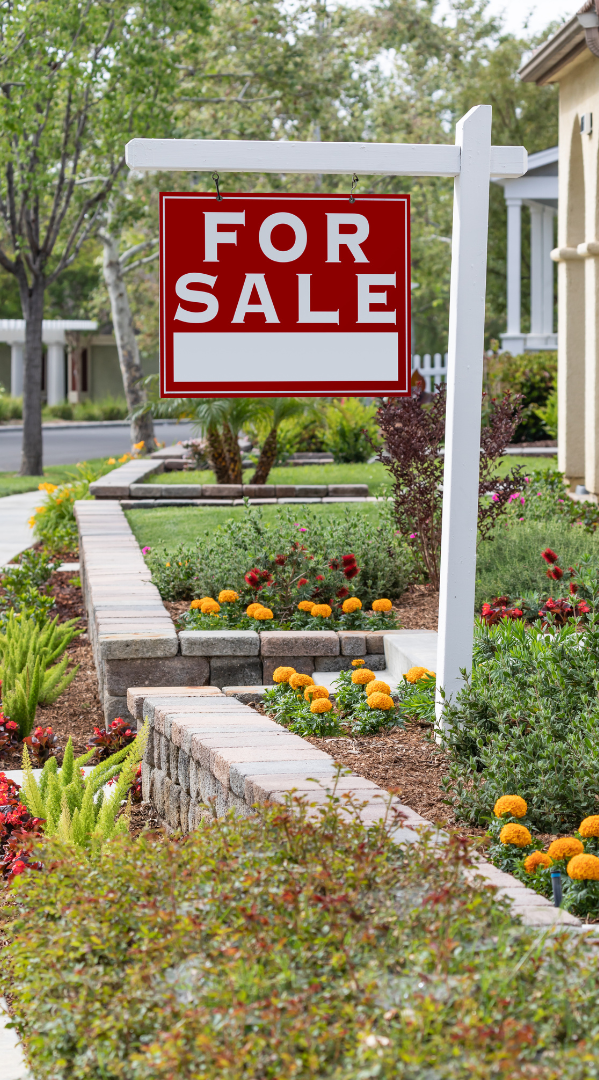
(506, 463)
(375, 475)
(12, 484)
(172, 525)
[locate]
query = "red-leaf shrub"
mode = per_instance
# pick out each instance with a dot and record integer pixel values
(119, 734)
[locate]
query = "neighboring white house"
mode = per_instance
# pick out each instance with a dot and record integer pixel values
(537, 190)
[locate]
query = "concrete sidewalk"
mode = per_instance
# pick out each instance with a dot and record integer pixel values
(15, 534)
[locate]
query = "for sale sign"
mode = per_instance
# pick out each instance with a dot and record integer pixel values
(284, 294)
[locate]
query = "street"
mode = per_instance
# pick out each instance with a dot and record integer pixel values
(66, 445)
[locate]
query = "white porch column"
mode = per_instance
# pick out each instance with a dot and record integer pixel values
(16, 369)
(514, 264)
(55, 381)
(536, 268)
(548, 270)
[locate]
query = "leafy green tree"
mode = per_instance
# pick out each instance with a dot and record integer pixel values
(79, 79)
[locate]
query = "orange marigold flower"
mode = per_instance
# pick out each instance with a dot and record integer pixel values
(227, 596)
(321, 705)
(263, 613)
(323, 610)
(351, 604)
(565, 847)
(313, 693)
(417, 673)
(590, 826)
(209, 606)
(358, 663)
(515, 834)
(584, 868)
(282, 674)
(538, 858)
(299, 681)
(380, 701)
(362, 676)
(378, 687)
(510, 804)
(251, 609)
(382, 605)
(306, 605)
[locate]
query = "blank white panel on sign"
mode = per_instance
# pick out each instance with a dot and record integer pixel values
(294, 358)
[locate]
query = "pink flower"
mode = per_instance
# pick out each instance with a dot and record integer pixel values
(522, 500)
(145, 550)
(413, 536)
(495, 497)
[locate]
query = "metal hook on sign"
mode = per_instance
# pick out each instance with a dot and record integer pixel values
(215, 177)
(354, 180)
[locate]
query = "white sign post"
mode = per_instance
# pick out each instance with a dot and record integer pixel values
(472, 162)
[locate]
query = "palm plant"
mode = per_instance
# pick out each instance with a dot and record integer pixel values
(274, 410)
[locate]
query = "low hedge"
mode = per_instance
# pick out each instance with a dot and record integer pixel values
(289, 945)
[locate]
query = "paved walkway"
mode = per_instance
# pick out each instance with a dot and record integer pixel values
(15, 534)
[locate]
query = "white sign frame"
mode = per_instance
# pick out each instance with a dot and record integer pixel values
(473, 162)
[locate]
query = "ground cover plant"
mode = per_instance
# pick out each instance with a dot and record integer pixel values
(313, 557)
(11, 483)
(288, 944)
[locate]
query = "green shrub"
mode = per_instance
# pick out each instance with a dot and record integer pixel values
(510, 563)
(221, 558)
(348, 425)
(289, 945)
(63, 410)
(23, 586)
(533, 375)
(11, 408)
(27, 651)
(527, 723)
(107, 408)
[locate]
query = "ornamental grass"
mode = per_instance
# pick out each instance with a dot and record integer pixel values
(564, 847)
(514, 805)
(515, 834)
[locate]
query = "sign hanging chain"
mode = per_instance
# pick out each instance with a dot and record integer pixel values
(354, 180)
(215, 177)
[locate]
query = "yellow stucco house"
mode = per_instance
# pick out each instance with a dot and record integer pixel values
(571, 58)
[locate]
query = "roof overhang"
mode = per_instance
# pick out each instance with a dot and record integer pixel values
(548, 60)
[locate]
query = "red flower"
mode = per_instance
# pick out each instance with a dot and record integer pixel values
(280, 560)
(349, 560)
(486, 609)
(549, 556)
(582, 608)
(572, 571)
(573, 588)
(557, 573)
(342, 593)
(18, 867)
(11, 726)
(351, 571)
(320, 577)
(302, 581)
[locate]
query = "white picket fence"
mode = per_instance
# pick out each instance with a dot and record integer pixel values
(432, 368)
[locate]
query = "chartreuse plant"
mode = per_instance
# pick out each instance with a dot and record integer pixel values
(293, 943)
(75, 808)
(28, 670)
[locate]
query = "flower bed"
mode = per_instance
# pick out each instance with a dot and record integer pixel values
(232, 614)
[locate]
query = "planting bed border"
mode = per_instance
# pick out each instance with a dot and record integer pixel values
(208, 753)
(135, 642)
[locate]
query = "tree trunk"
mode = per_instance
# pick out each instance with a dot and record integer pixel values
(268, 456)
(218, 458)
(233, 454)
(142, 429)
(32, 303)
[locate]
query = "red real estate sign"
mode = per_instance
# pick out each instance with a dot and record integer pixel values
(284, 294)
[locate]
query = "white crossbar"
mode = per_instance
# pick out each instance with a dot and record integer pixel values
(280, 156)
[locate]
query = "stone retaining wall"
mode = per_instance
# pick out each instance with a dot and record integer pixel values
(135, 642)
(208, 753)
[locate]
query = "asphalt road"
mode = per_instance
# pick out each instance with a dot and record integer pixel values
(68, 445)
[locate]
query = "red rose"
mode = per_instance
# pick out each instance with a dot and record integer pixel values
(549, 556)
